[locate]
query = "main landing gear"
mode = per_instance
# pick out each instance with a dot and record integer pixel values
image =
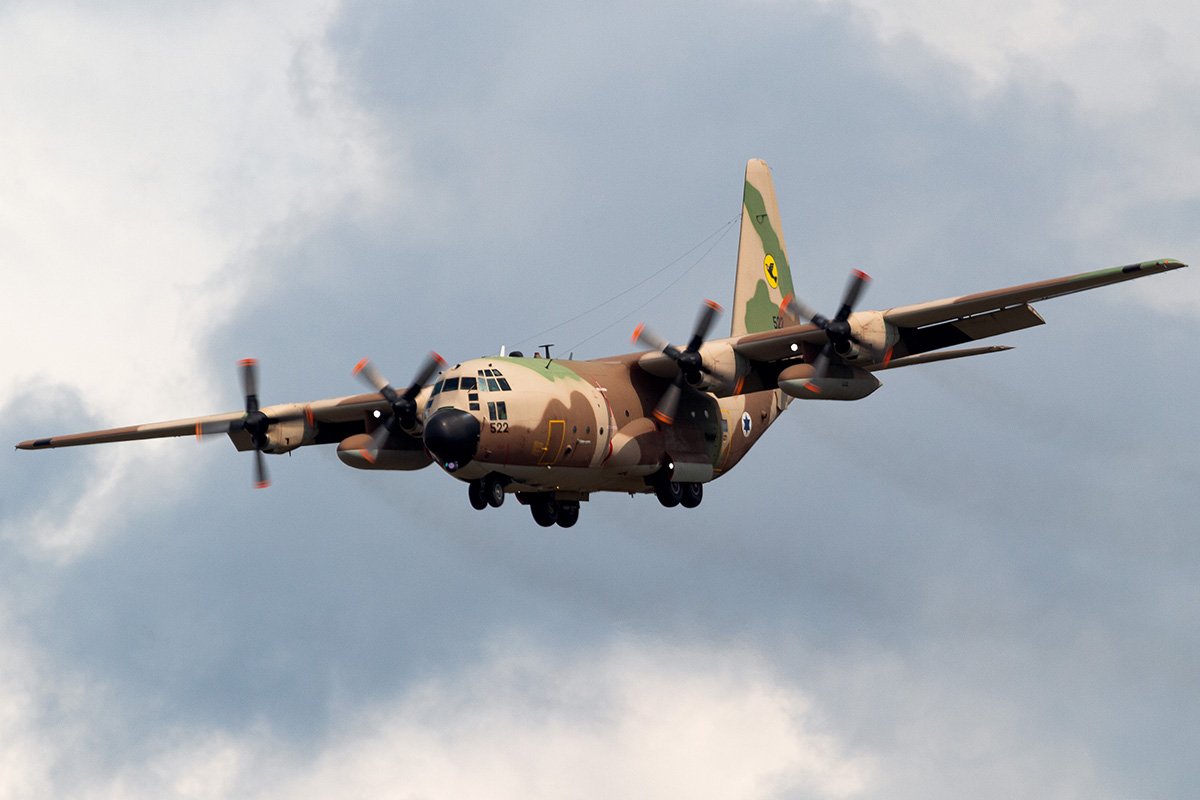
(674, 493)
(547, 511)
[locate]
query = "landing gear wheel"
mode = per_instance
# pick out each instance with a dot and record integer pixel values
(693, 493)
(545, 512)
(476, 495)
(493, 491)
(568, 514)
(669, 493)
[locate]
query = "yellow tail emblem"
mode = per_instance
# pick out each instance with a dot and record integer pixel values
(771, 270)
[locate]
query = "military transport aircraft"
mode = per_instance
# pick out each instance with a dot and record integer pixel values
(553, 431)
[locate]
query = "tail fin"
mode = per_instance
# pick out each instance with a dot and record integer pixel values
(764, 278)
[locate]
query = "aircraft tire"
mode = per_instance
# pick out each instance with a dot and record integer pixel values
(669, 493)
(493, 492)
(545, 512)
(476, 495)
(693, 493)
(568, 514)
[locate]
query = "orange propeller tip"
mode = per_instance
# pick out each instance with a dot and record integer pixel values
(663, 418)
(858, 273)
(714, 305)
(637, 332)
(248, 362)
(360, 366)
(441, 361)
(367, 456)
(262, 484)
(813, 388)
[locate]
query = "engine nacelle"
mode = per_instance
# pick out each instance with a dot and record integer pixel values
(355, 451)
(295, 429)
(840, 383)
(869, 328)
(728, 369)
(732, 368)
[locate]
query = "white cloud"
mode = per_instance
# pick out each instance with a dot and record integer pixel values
(632, 721)
(145, 152)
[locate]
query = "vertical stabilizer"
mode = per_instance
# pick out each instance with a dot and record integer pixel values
(763, 275)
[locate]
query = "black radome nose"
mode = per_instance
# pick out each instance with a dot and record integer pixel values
(452, 435)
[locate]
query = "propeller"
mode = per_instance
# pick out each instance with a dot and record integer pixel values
(255, 422)
(404, 406)
(838, 332)
(691, 365)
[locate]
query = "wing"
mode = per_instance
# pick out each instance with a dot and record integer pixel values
(319, 422)
(953, 308)
(917, 329)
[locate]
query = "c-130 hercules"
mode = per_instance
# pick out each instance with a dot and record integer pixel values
(554, 431)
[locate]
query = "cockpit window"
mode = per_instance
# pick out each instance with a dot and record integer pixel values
(437, 387)
(450, 385)
(467, 385)
(490, 380)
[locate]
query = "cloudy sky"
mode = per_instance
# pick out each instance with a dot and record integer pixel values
(981, 581)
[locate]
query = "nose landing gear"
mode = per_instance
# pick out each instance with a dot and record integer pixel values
(486, 491)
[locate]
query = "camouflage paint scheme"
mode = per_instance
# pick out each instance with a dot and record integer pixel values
(553, 431)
